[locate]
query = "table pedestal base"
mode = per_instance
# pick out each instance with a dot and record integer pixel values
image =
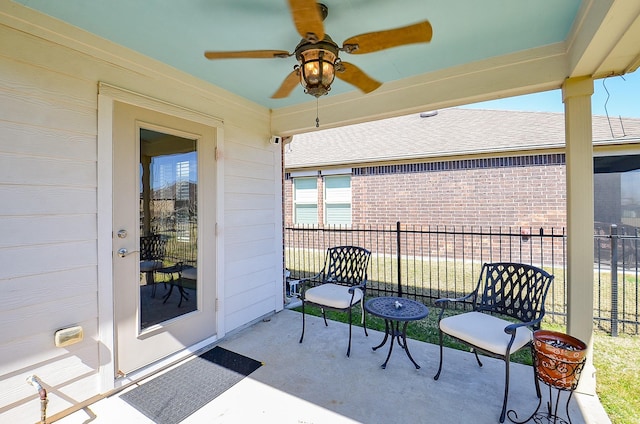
(181, 290)
(392, 328)
(175, 269)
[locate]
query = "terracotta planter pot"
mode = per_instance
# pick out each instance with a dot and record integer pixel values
(558, 358)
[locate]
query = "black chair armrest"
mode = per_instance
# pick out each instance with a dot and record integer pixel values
(443, 301)
(511, 328)
(307, 282)
(362, 286)
(313, 278)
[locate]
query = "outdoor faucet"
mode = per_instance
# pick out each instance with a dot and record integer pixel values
(35, 382)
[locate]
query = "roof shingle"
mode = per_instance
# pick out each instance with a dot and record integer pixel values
(448, 132)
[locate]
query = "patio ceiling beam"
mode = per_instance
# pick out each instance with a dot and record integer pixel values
(525, 72)
(604, 39)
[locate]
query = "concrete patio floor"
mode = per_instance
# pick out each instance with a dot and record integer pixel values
(314, 382)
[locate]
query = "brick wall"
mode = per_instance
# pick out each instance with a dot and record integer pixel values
(509, 192)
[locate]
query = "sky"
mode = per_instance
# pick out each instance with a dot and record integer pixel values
(619, 96)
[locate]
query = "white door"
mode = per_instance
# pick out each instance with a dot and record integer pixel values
(163, 235)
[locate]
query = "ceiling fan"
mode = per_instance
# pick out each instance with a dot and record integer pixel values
(318, 55)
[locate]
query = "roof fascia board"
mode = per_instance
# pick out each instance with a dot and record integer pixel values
(621, 147)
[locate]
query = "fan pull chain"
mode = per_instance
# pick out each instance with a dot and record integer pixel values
(317, 119)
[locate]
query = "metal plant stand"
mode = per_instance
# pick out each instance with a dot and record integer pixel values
(558, 361)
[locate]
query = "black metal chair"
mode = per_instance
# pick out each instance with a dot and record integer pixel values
(504, 290)
(152, 252)
(340, 284)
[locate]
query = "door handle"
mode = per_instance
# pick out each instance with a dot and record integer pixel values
(122, 252)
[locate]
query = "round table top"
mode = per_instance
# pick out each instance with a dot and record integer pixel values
(396, 308)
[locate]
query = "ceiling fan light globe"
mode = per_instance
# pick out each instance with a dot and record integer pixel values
(317, 71)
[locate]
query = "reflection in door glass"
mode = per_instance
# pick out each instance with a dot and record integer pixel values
(168, 227)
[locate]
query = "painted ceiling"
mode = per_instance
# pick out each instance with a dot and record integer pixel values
(480, 50)
(178, 33)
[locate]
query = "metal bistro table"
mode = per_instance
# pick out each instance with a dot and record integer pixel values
(395, 310)
(170, 270)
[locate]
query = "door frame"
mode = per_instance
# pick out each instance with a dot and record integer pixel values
(107, 96)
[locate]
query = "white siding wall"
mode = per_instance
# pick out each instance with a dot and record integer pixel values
(250, 222)
(48, 213)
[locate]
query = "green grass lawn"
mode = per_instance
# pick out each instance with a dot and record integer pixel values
(617, 360)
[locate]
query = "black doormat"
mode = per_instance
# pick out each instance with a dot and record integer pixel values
(178, 393)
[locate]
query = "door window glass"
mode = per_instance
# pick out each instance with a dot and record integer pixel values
(168, 227)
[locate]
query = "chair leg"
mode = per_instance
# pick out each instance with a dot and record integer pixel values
(535, 375)
(364, 317)
(364, 323)
(475, 352)
(440, 365)
(349, 347)
(151, 282)
(302, 335)
(506, 389)
(153, 289)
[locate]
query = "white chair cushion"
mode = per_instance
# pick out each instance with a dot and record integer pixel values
(485, 331)
(332, 295)
(148, 266)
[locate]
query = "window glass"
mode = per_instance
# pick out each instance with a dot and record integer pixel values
(306, 214)
(337, 197)
(305, 200)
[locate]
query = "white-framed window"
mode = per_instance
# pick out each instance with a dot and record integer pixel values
(305, 200)
(337, 200)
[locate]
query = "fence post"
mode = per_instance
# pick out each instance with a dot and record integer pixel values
(541, 247)
(614, 280)
(398, 254)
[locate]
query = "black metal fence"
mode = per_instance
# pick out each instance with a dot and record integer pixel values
(181, 240)
(426, 263)
(617, 274)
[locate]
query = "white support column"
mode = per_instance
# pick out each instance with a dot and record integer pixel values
(576, 95)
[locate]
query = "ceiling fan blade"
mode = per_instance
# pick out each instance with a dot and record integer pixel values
(248, 54)
(287, 86)
(380, 40)
(307, 18)
(354, 76)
